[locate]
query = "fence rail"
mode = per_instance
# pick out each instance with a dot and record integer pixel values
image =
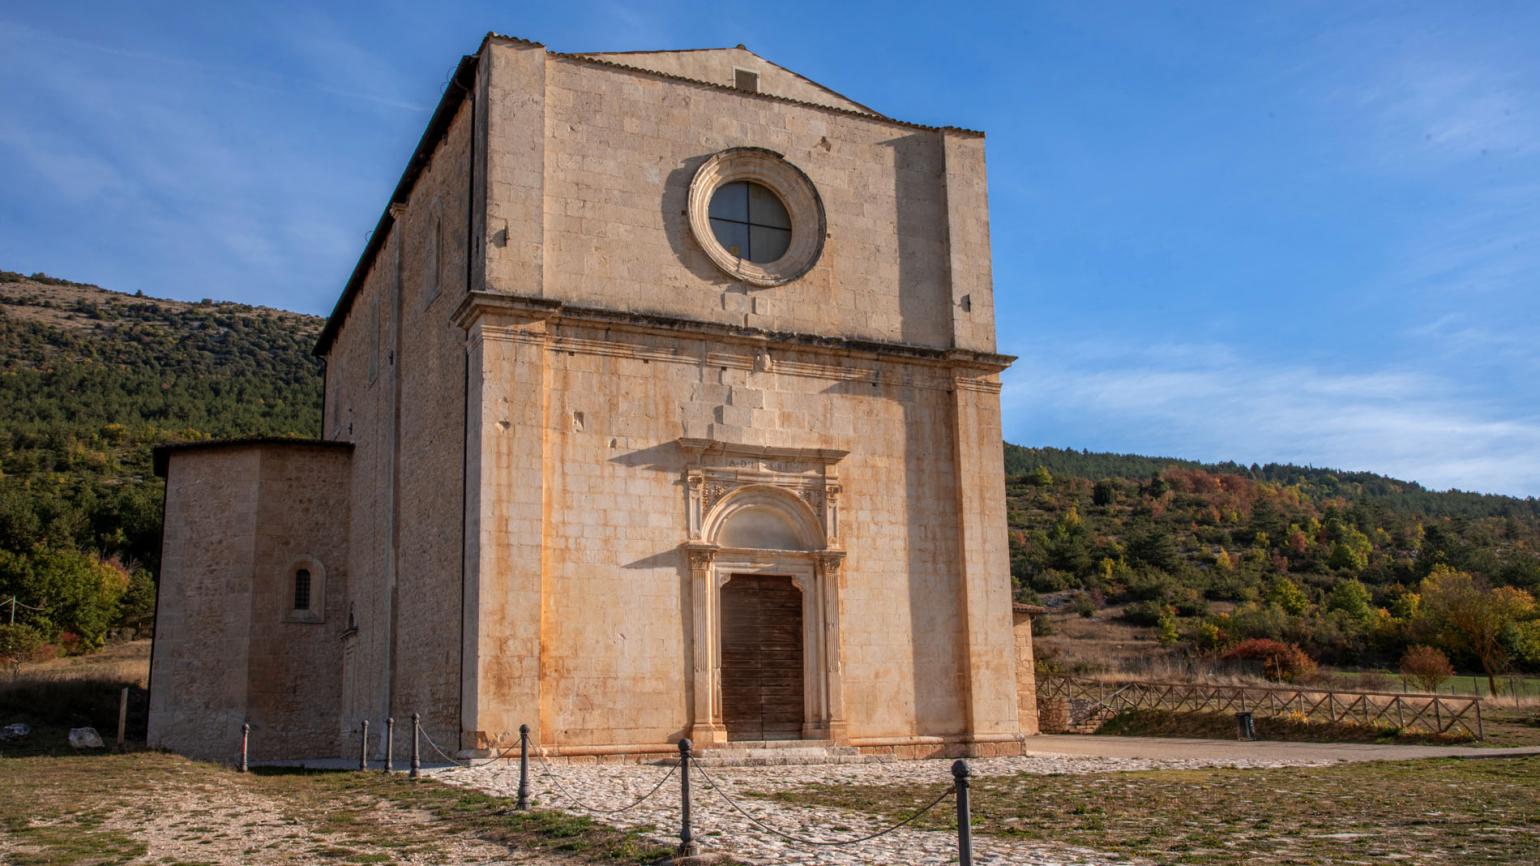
(1082, 699)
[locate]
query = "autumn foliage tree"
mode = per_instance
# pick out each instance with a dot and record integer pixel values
(1426, 667)
(1281, 662)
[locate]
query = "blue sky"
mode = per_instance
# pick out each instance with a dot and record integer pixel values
(1302, 232)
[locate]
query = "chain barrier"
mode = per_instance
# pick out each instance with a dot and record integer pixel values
(548, 772)
(557, 787)
(827, 843)
(457, 762)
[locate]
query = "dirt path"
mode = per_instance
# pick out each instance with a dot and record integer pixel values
(1163, 749)
(156, 809)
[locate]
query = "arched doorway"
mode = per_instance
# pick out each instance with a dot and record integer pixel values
(765, 584)
(762, 658)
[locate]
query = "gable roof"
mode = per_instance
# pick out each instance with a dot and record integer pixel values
(716, 65)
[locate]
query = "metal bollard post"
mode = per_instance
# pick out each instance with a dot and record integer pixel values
(390, 743)
(363, 747)
(687, 846)
(416, 754)
(245, 741)
(523, 767)
(960, 773)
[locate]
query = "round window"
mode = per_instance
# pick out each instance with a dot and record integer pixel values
(756, 216)
(750, 221)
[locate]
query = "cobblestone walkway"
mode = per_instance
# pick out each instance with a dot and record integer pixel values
(719, 828)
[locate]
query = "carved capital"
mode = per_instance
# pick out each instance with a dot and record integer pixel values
(830, 562)
(701, 558)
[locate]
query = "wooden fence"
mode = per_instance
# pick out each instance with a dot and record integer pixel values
(1081, 700)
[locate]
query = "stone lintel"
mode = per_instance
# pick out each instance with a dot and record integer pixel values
(701, 447)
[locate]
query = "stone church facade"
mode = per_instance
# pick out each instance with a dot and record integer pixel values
(663, 402)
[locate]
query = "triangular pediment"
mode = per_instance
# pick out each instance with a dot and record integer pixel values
(721, 66)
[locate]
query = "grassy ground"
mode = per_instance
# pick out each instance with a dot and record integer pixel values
(155, 807)
(1417, 812)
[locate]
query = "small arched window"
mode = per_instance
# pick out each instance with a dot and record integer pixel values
(302, 589)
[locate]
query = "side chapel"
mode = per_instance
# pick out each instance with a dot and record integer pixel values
(662, 402)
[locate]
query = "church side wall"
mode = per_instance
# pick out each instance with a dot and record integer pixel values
(616, 642)
(198, 679)
(430, 494)
(359, 410)
(396, 389)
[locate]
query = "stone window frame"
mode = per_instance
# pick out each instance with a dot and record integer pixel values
(316, 613)
(789, 184)
(433, 255)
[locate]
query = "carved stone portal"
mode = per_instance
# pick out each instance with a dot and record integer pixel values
(766, 511)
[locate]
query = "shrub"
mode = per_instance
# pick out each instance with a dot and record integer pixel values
(1082, 604)
(19, 643)
(1427, 667)
(1281, 662)
(1145, 613)
(1374, 681)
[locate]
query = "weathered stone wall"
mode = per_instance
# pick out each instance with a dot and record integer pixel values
(294, 669)
(229, 648)
(396, 389)
(599, 474)
(431, 234)
(360, 385)
(1026, 673)
(198, 678)
(592, 212)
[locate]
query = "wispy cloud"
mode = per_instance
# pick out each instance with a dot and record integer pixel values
(1211, 403)
(155, 167)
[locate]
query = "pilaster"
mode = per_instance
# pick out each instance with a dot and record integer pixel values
(989, 644)
(505, 482)
(707, 728)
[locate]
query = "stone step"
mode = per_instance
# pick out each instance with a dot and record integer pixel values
(774, 753)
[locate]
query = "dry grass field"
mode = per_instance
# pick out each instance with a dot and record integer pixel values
(1415, 812)
(59, 808)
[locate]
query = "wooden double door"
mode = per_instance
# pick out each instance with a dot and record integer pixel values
(762, 683)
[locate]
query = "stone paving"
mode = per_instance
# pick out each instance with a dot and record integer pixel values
(719, 827)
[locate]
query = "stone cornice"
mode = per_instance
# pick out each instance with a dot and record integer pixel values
(477, 305)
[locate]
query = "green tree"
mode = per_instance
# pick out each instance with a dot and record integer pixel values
(1352, 598)
(1287, 595)
(1465, 615)
(1104, 493)
(78, 592)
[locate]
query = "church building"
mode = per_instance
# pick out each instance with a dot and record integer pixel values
(663, 402)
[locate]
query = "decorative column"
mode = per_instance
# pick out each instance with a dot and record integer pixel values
(830, 580)
(706, 727)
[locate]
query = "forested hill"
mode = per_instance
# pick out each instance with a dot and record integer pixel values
(1407, 496)
(90, 380)
(1347, 565)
